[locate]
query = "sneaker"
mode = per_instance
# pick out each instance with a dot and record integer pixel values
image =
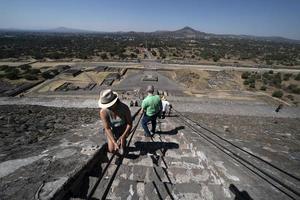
(152, 133)
(147, 135)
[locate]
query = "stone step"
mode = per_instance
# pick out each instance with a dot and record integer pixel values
(128, 189)
(103, 185)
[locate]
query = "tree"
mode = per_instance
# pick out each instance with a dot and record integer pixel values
(286, 77)
(34, 71)
(252, 85)
(30, 77)
(297, 78)
(153, 53)
(132, 55)
(13, 74)
(277, 94)
(104, 56)
(4, 67)
(25, 67)
(263, 88)
(245, 75)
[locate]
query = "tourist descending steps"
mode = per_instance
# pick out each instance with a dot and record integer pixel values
(151, 106)
(116, 118)
(166, 107)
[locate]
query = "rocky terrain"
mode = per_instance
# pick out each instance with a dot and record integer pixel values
(25, 128)
(42, 147)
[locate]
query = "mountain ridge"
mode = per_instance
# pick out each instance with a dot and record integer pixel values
(185, 32)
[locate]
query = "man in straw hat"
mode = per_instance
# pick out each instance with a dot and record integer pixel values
(151, 105)
(116, 118)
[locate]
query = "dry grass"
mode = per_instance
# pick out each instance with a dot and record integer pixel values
(86, 77)
(207, 80)
(51, 86)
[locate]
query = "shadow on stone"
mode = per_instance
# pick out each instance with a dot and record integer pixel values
(152, 147)
(94, 171)
(171, 132)
(239, 195)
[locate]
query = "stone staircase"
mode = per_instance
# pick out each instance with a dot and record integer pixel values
(166, 166)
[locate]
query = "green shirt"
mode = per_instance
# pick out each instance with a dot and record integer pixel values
(151, 104)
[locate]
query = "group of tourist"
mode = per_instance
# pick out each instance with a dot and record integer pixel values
(116, 116)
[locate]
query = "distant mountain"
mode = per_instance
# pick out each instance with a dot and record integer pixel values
(67, 30)
(186, 32)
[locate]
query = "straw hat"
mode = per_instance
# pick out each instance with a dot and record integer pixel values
(107, 98)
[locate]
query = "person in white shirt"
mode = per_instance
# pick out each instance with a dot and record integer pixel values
(166, 106)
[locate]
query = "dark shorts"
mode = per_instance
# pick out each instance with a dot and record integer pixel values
(118, 131)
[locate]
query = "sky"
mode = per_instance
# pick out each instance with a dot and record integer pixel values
(251, 17)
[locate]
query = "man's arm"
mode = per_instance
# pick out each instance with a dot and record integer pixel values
(143, 107)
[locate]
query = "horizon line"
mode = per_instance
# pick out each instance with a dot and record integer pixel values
(83, 30)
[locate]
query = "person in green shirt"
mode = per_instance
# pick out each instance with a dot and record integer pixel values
(151, 106)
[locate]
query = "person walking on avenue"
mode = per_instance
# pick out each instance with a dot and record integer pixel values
(151, 106)
(116, 118)
(166, 106)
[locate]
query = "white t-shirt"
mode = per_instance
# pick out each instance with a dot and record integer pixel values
(165, 104)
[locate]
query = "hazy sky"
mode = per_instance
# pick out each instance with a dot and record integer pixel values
(253, 17)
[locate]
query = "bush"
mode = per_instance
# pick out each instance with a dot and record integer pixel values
(153, 53)
(286, 77)
(297, 78)
(12, 75)
(266, 75)
(245, 75)
(11, 69)
(277, 94)
(277, 80)
(47, 75)
(265, 81)
(30, 77)
(252, 85)
(4, 67)
(251, 79)
(104, 56)
(290, 97)
(34, 71)
(291, 87)
(25, 67)
(246, 82)
(296, 90)
(263, 88)
(132, 55)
